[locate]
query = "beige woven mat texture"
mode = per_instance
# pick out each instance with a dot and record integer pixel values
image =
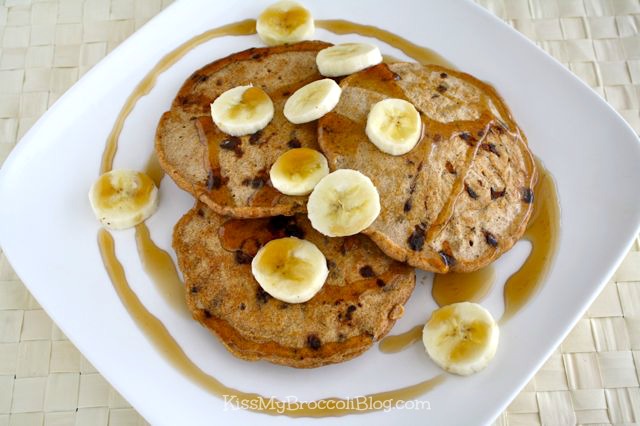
(593, 378)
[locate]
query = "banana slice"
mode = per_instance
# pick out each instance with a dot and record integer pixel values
(123, 198)
(312, 101)
(394, 126)
(290, 269)
(297, 171)
(285, 22)
(242, 110)
(343, 203)
(461, 338)
(347, 58)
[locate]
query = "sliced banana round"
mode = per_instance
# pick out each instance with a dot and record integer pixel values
(343, 203)
(312, 101)
(394, 126)
(461, 338)
(123, 198)
(297, 171)
(290, 269)
(285, 22)
(242, 110)
(347, 58)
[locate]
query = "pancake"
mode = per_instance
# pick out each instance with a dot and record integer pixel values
(363, 296)
(230, 174)
(463, 195)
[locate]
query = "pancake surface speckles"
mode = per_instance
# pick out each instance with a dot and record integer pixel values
(231, 174)
(358, 304)
(463, 195)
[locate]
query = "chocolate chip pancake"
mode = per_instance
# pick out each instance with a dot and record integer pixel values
(464, 194)
(231, 174)
(358, 304)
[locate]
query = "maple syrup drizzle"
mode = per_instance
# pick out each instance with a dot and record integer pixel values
(542, 232)
(156, 260)
(159, 265)
(457, 287)
(400, 342)
(154, 170)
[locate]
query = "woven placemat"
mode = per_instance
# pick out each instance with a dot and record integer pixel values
(593, 378)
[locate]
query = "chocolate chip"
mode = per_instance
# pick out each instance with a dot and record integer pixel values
(490, 239)
(416, 239)
(443, 75)
(256, 56)
(470, 140)
(448, 259)
(194, 289)
(331, 264)
(314, 342)
(257, 183)
(350, 310)
(254, 139)
(407, 206)
(286, 93)
(242, 258)
(490, 148)
(441, 88)
(206, 313)
(293, 230)
(199, 78)
(471, 192)
(277, 223)
(367, 271)
(294, 143)
(200, 212)
(527, 195)
(450, 168)
(380, 282)
(262, 295)
(497, 194)
(242, 306)
(230, 144)
(214, 180)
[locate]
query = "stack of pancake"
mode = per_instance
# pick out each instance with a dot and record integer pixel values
(456, 202)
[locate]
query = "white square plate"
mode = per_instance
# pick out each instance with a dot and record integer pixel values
(48, 231)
